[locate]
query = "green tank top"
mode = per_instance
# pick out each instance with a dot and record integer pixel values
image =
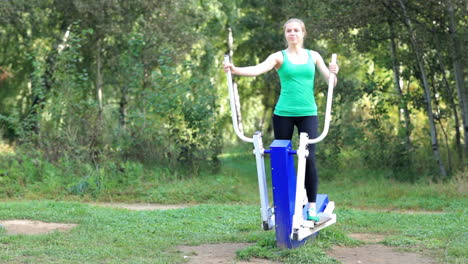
(297, 88)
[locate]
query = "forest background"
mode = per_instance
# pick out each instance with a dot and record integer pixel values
(90, 89)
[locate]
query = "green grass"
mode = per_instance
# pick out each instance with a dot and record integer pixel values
(106, 235)
(225, 208)
(382, 193)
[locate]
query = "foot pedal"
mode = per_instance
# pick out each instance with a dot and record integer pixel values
(323, 219)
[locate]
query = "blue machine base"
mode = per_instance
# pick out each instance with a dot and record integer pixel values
(283, 174)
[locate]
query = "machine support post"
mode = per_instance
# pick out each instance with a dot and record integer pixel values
(301, 196)
(266, 212)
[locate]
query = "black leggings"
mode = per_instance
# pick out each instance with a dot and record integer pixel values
(283, 127)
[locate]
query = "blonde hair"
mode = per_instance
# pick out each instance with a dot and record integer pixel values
(297, 20)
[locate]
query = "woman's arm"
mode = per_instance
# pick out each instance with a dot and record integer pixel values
(272, 61)
(325, 72)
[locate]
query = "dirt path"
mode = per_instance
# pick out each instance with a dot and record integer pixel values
(373, 253)
(217, 254)
(28, 227)
(377, 254)
(370, 253)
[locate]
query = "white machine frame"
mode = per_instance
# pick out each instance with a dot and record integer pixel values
(267, 212)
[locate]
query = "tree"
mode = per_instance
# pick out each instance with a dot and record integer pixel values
(458, 65)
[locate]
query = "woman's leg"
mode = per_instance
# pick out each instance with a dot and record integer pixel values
(309, 124)
(283, 127)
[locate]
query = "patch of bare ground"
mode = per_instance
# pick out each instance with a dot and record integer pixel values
(142, 206)
(373, 253)
(28, 227)
(377, 254)
(218, 254)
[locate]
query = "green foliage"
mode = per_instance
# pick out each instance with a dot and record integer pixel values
(156, 64)
(167, 111)
(28, 174)
(178, 123)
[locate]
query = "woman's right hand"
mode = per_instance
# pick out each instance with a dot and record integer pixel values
(256, 70)
(227, 66)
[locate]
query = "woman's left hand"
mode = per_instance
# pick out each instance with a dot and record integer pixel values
(333, 68)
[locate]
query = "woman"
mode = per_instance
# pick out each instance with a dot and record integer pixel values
(296, 105)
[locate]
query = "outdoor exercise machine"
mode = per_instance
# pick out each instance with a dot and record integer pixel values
(288, 215)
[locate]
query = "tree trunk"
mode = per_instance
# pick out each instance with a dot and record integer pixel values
(39, 92)
(457, 58)
(123, 107)
(99, 79)
(427, 91)
(146, 85)
(96, 135)
(450, 98)
(396, 75)
(438, 119)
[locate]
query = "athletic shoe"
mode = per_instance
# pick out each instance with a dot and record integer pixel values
(311, 216)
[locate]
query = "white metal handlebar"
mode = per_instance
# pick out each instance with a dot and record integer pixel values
(233, 106)
(326, 126)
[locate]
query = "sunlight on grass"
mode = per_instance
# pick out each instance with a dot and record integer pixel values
(460, 182)
(6, 149)
(231, 155)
